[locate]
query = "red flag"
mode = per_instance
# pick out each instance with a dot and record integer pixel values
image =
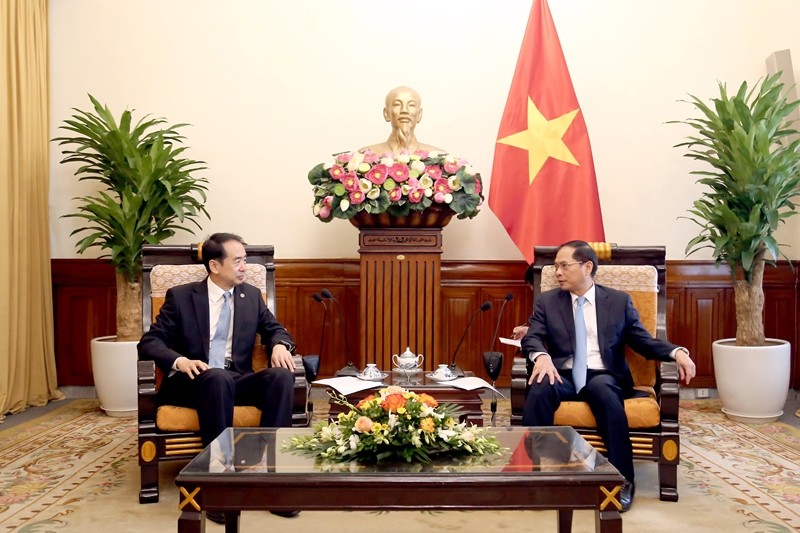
(543, 185)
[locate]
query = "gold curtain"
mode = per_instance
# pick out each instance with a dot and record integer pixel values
(27, 360)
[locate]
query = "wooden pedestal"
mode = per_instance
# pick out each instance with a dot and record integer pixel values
(400, 293)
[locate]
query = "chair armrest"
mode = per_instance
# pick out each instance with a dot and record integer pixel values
(146, 384)
(519, 388)
(669, 391)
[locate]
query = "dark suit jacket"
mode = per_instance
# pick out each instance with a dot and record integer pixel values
(551, 329)
(182, 327)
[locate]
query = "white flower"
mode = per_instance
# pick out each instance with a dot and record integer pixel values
(454, 182)
(468, 436)
(469, 170)
(426, 182)
(448, 198)
(388, 161)
(365, 185)
(428, 192)
(403, 158)
(354, 163)
(317, 209)
(417, 165)
(433, 153)
(344, 205)
(374, 193)
(446, 434)
(354, 440)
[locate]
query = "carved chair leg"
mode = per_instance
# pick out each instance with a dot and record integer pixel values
(148, 493)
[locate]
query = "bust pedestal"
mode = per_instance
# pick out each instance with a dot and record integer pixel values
(401, 285)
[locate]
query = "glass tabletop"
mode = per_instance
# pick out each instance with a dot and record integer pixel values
(526, 451)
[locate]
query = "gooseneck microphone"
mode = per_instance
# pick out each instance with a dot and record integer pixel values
(350, 368)
(493, 361)
(318, 298)
(485, 306)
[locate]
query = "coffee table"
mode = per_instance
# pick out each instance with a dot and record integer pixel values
(244, 469)
(469, 400)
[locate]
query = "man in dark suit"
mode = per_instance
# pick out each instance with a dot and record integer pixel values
(591, 368)
(211, 370)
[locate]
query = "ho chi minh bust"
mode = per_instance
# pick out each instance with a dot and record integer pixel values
(403, 110)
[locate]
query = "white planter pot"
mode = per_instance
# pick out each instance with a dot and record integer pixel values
(753, 381)
(114, 371)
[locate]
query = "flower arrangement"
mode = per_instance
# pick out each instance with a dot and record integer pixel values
(364, 181)
(394, 424)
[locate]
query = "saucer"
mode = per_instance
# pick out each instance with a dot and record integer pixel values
(405, 371)
(383, 376)
(434, 378)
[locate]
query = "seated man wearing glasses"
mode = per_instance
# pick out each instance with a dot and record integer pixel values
(576, 339)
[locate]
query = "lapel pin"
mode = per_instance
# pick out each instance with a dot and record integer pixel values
(241, 295)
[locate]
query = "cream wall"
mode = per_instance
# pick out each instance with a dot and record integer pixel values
(272, 88)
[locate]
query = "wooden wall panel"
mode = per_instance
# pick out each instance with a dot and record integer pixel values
(699, 310)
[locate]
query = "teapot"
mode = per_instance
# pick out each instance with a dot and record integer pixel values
(407, 360)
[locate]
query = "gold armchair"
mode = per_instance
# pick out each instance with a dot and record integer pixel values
(169, 432)
(653, 420)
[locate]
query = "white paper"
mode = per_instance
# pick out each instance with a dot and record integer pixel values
(472, 383)
(348, 384)
(511, 342)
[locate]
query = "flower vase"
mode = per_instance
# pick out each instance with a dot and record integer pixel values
(435, 216)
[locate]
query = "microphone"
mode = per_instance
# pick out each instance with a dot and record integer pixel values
(485, 306)
(493, 361)
(349, 369)
(311, 361)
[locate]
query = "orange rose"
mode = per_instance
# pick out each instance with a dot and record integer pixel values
(427, 425)
(393, 402)
(427, 399)
(363, 424)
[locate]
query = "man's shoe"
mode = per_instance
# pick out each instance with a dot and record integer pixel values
(216, 516)
(626, 495)
(286, 514)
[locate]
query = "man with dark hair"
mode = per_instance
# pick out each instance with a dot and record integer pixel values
(203, 341)
(576, 340)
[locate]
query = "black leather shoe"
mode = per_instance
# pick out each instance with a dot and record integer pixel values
(286, 514)
(216, 517)
(626, 496)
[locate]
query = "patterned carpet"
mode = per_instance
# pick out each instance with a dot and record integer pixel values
(75, 469)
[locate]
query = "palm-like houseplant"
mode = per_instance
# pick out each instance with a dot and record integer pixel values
(746, 138)
(149, 191)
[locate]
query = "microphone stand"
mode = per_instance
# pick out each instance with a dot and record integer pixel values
(350, 368)
(457, 372)
(493, 361)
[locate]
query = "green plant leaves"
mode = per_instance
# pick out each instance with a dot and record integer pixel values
(149, 191)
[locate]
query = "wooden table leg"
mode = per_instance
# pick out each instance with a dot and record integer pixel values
(565, 521)
(191, 521)
(608, 522)
(232, 521)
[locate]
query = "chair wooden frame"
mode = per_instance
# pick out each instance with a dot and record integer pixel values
(156, 445)
(660, 443)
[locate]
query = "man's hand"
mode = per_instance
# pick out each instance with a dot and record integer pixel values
(544, 367)
(282, 357)
(191, 367)
(686, 368)
(519, 332)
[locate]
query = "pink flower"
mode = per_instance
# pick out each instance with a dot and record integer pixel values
(439, 197)
(377, 174)
(337, 172)
(421, 153)
(399, 172)
(434, 171)
(363, 424)
(478, 186)
(441, 186)
(357, 196)
(325, 211)
(395, 194)
(327, 200)
(344, 158)
(451, 167)
(350, 181)
(371, 157)
(415, 196)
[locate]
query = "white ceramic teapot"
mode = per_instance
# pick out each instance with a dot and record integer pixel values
(407, 360)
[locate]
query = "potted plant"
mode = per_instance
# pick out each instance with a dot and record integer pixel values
(746, 139)
(148, 191)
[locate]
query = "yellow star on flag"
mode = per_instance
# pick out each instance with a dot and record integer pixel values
(543, 139)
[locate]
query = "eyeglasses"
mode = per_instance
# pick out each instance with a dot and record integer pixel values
(564, 266)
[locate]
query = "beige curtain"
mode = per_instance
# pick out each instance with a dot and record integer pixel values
(27, 360)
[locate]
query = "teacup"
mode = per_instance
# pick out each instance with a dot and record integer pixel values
(371, 371)
(443, 372)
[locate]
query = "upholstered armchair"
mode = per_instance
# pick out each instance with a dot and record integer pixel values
(653, 420)
(169, 432)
